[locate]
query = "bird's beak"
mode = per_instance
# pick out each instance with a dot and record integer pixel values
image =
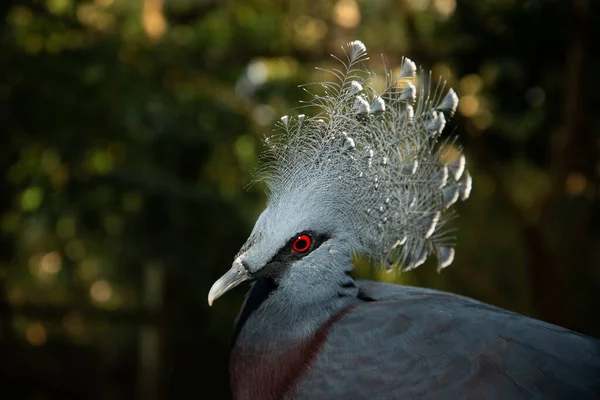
(236, 275)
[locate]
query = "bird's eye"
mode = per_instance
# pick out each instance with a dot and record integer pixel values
(302, 243)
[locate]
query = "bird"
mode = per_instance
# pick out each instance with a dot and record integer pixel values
(369, 173)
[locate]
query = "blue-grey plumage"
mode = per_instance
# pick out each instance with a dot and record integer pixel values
(367, 176)
(409, 343)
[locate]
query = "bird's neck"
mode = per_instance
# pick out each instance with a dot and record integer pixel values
(286, 316)
(278, 337)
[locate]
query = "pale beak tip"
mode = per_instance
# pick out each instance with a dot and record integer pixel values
(214, 293)
(236, 275)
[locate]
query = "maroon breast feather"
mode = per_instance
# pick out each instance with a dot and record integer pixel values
(275, 375)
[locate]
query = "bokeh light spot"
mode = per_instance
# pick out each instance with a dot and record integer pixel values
(575, 183)
(346, 13)
(309, 30)
(59, 7)
(444, 8)
(471, 84)
(31, 198)
(257, 72)
(45, 267)
(263, 114)
(36, 334)
(101, 291)
(245, 149)
(468, 106)
(100, 162)
(20, 16)
(153, 19)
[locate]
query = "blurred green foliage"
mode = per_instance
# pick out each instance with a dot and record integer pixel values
(130, 129)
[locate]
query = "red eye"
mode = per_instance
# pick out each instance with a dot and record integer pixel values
(302, 243)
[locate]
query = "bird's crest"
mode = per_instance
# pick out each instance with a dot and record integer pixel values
(372, 161)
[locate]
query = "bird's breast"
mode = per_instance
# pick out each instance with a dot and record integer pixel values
(274, 372)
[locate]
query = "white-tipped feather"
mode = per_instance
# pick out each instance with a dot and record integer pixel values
(408, 70)
(465, 184)
(369, 162)
(445, 257)
(435, 123)
(450, 195)
(443, 176)
(355, 87)
(399, 242)
(449, 103)
(285, 120)
(457, 167)
(411, 168)
(431, 220)
(356, 49)
(378, 105)
(361, 105)
(416, 259)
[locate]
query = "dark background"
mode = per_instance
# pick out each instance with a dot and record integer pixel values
(129, 130)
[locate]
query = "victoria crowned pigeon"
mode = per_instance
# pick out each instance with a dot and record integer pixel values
(366, 175)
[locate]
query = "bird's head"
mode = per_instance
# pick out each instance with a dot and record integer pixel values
(298, 239)
(365, 175)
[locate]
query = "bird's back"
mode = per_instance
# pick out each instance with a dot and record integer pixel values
(402, 342)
